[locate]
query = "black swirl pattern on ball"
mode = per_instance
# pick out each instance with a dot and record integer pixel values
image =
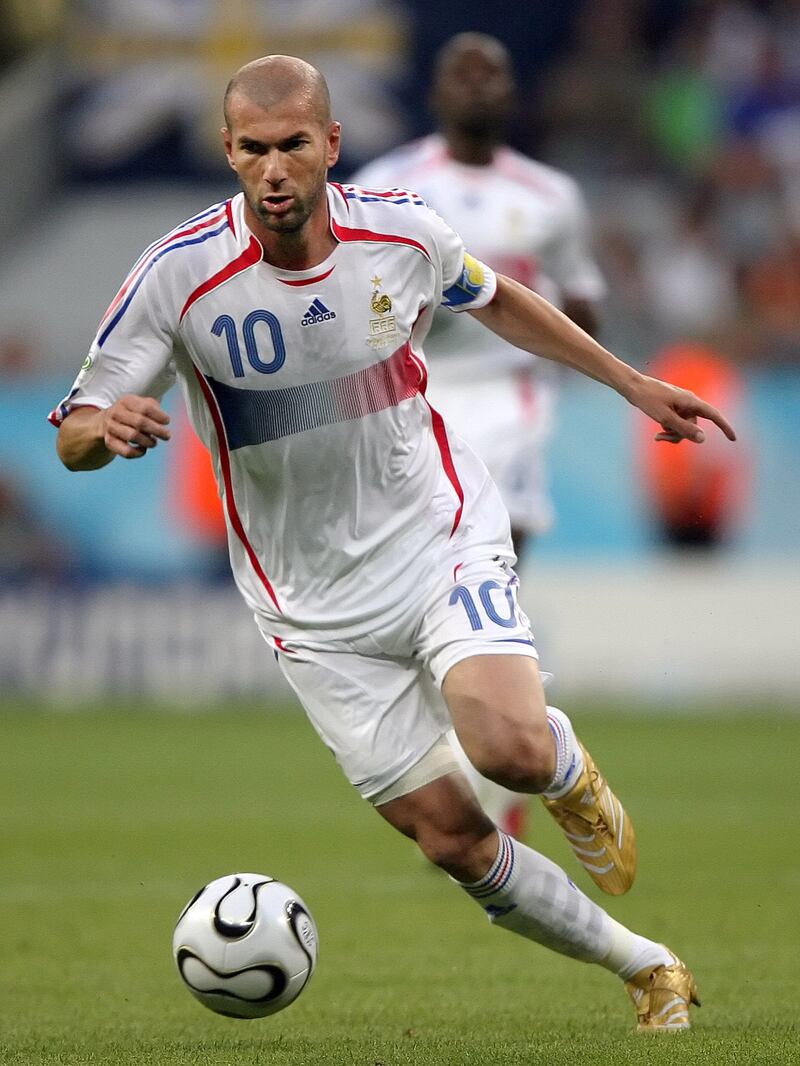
(294, 911)
(278, 976)
(236, 930)
(193, 900)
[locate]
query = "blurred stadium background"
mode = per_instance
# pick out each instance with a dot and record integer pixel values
(680, 119)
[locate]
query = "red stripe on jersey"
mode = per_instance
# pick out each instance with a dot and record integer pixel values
(252, 254)
(387, 194)
(440, 433)
(230, 503)
(141, 265)
(344, 233)
(56, 417)
(340, 190)
(310, 281)
(229, 215)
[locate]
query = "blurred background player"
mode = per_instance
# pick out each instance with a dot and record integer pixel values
(528, 221)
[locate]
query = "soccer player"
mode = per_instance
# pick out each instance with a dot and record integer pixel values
(527, 221)
(369, 541)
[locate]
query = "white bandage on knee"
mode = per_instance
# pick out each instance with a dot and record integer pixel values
(436, 762)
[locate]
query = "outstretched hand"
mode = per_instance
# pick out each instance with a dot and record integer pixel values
(676, 410)
(133, 425)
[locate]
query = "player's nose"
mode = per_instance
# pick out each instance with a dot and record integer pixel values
(274, 170)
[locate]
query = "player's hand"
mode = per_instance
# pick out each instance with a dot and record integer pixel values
(676, 410)
(133, 425)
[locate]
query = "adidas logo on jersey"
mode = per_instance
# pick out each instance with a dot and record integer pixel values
(317, 312)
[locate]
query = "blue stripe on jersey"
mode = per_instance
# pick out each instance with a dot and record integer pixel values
(411, 199)
(170, 248)
(256, 416)
(177, 229)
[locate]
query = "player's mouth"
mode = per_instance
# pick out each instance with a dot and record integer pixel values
(277, 205)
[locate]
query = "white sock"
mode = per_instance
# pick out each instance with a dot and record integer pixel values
(529, 895)
(569, 757)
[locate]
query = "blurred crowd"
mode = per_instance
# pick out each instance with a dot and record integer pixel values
(680, 119)
(685, 130)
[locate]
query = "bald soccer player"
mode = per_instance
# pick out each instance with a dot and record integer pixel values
(370, 543)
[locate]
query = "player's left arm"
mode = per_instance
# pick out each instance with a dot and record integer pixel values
(526, 320)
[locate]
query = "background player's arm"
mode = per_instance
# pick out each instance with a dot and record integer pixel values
(89, 438)
(525, 319)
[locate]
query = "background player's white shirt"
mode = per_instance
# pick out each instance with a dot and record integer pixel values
(342, 487)
(528, 221)
(520, 217)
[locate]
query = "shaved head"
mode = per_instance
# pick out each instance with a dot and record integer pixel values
(280, 140)
(481, 43)
(268, 81)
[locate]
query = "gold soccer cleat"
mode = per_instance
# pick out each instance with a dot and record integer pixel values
(598, 829)
(662, 997)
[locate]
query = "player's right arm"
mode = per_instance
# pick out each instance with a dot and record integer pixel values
(114, 405)
(89, 438)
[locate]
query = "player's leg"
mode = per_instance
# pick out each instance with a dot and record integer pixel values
(524, 892)
(508, 810)
(381, 720)
(479, 648)
(511, 736)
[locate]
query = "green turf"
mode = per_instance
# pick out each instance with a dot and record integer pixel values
(110, 822)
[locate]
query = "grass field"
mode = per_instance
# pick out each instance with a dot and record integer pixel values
(110, 822)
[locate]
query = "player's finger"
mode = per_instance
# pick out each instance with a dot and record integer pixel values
(154, 429)
(128, 423)
(156, 412)
(142, 440)
(669, 436)
(125, 449)
(682, 429)
(143, 413)
(705, 410)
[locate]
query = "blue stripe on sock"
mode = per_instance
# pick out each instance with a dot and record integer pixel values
(490, 884)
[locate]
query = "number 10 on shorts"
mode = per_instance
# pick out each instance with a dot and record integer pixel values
(461, 594)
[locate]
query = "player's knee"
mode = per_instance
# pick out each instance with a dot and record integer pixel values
(521, 759)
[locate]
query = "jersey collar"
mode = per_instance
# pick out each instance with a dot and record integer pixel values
(338, 211)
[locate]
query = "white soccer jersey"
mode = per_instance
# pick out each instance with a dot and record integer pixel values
(341, 485)
(528, 221)
(524, 219)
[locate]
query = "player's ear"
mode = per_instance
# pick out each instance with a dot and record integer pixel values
(227, 140)
(334, 142)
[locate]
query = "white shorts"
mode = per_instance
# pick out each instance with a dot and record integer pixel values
(508, 421)
(376, 701)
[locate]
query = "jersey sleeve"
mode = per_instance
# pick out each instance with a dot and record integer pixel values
(467, 284)
(132, 351)
(571, 264)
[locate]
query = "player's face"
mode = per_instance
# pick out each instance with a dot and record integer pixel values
(474, 91)
(281, 156)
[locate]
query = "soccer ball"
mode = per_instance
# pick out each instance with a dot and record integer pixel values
(245, 945)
